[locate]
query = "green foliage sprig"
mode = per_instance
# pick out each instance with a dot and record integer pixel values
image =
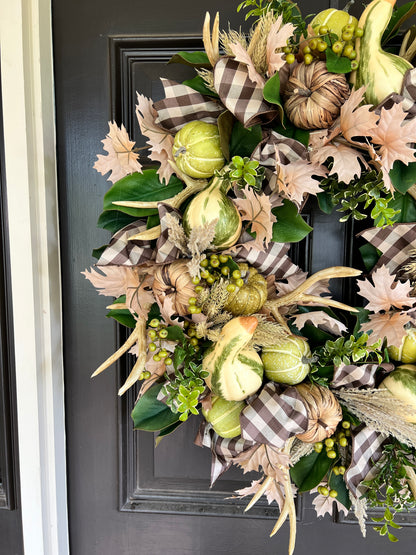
(357, 196)
(244, 171)
(389, 488)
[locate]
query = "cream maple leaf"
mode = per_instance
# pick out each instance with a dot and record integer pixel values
(295, 180)
(346, 160)
(356, 120)
(325, 504)
(257, 209)
(243, 57)
(274, 491)
(319, 319)
(394, 136)
(277, 39)
(270, 459)
(386, 326)
(139, 295)
(160, 140)
(386, 292)
(111, 281)
(121, 160)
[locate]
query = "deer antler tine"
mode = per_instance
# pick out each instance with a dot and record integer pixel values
(216, 38)
(147, 234)
(141, 357)
(259, 493)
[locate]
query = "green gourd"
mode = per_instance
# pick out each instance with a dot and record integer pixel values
(381, 72)
(224, 416)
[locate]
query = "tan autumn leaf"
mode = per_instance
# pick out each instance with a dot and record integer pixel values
(160, 140)
(356, 120)
(346, 160)
(394, 135)
(276, 40)
(257, 209)
(269, 458)
(386, 326)
(168, 311)
(319, 319)
(139, 295)
(296, 180)
(325, 504)
(110, 281)
(243, 57)
(386, 292)
(120, 160)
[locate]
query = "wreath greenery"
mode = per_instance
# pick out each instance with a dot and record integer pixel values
(305, 390)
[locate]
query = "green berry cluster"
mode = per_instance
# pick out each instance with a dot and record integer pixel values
(332, 444)
(157, 332)
(323, 490)
(215, 267)
(191, 332)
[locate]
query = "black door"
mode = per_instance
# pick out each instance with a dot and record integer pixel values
(125, 497)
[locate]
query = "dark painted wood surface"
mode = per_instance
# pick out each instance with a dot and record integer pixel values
(109, 467)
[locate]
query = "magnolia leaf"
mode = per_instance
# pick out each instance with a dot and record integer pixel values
(287, 129)
(144, 186)
(244, 140)
(320, 319)
(356, 120)
(114, 220)
(394, 135)
(271, 93)
(193, 59)
(310, 470)
(399, 16)
(120, 160)
(403, 177)
(290, 227)
(225, 124)
(256, 208)
(242, 56)
(386, 292)
(277, 39)
(152, 415)
(386, 326)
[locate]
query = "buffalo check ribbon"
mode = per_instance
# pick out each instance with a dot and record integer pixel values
(274, 416)
(351, 375)
(290, 150)
(183, 104)
(243, 98)
(223, 450)
(367, 449)
(395, 243)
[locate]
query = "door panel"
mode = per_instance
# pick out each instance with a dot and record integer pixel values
(125, 496)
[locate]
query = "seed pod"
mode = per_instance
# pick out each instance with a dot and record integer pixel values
(174, 281)
(324, 412)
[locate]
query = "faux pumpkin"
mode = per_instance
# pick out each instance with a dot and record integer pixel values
(334, 19)
(381, 72)
(286, 362)
(174, 281)
(197, 150)
(235, 370)
(213, 204)
(324, 412)
(407, 351)
(250, 297)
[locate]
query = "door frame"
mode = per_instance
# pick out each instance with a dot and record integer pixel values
(32, 214)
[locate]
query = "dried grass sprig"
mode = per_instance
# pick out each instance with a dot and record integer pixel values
(208, 78)
(214, 303)
(231, 37)
(381, 411)
(257, 48)
(176, 233)
(268, 333)
(300, 449)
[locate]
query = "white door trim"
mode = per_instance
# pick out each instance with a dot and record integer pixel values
(32, 209)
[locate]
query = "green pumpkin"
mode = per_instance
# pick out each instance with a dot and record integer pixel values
(285, 362)
(225, 417)
(197, 149)
(250, 297)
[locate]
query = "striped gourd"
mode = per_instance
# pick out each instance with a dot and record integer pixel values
(213, 204)
(402, 384)
(197, 149)
(381, 72)
(235, 370)
(286, 362)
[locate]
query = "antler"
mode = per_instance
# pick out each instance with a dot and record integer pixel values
(211, 45)
(299, 294)
(192, 186)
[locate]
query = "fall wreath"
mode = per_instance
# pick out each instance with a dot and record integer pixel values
(309, 392)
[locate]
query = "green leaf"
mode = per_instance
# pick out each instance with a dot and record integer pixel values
(392, 537)
(123, 316)
(244, 140)
(290, 226)
(370, 256)
(141, 186)
(310, 470)
(193, 59)
(287, 129)
(271, 93)
(114, 220)
(325, 202)
(225, 127)
(96, 253)
(175, 333)
(337, 64)
(406, 206)
(152, 415)
(397, 19)
(402, 176)
(167, 431)
(198, 84)
(337, 483)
